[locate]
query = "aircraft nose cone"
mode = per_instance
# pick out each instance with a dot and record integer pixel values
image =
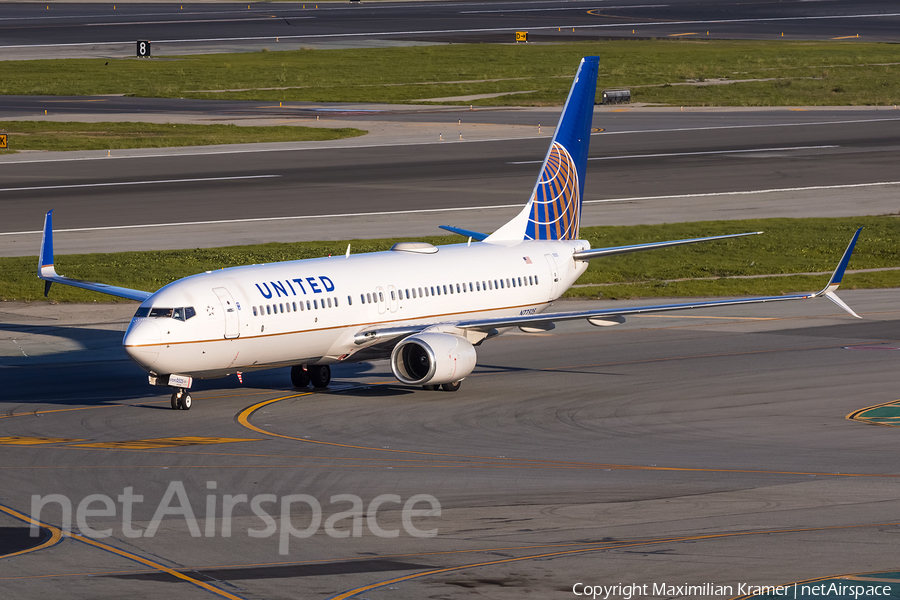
(142, 342)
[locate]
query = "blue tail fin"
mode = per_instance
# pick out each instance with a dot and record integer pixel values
(554, 210)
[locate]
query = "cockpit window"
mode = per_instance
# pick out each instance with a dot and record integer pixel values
(181, 313)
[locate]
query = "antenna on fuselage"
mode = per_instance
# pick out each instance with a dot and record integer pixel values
(348, 252)
(470, 241)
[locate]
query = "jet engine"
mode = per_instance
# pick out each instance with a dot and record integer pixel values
(432, 358)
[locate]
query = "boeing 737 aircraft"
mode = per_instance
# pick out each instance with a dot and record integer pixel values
(425, 307)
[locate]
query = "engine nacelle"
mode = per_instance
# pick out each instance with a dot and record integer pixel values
(433, 358)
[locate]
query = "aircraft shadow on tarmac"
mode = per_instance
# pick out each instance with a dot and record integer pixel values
(874, 331)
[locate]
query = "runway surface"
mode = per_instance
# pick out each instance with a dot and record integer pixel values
(111, 29)
(646, 166)
(705, 447)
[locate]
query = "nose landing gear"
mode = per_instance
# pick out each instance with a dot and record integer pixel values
(181, 400)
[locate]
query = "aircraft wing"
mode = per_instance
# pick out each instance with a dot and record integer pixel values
(598, 252)
(610, 316)
(47, 271)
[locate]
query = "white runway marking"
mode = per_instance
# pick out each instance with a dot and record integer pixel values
(459, 209)
(668, 154)
(269, 18)
(546, 9)
(749, 192)
(114, 183)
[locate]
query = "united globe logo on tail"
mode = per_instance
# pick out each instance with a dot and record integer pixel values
(555, 205)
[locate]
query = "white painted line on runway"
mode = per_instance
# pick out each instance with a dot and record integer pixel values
(669, 154)
(445, 31)
(761, 126)
(269, 18)
(452, 210)
(546, 9)
(114, 183)
(748, 192)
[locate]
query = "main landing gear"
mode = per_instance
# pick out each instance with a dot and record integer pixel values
(181, 400)
(447, 387)
(319, 375)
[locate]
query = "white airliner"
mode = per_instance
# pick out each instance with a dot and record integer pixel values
(423, 306)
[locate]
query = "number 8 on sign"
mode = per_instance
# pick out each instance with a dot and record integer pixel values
(143, 49)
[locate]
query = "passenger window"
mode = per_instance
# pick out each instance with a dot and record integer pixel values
(329, 303)
(463, 288)
(316, 304)
(445, 290)
(268, 309)
(380, 297)
(414, 292)
(369, 298)
(520, 282)
(308, 307)
(393, 296)
(426, 292)
(301, 306)
(536, 280)
(349, 301)
(281, 308)
(335, 302)
(362, 298)
(507, 283)
(295, 306)
(420, 293)
(477, 286)
(407, 293)
(254, 311)
(530, 281)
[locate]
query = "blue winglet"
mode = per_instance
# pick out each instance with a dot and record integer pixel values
(475, 235)
(45, 262)
(47, 242)
(838, 274)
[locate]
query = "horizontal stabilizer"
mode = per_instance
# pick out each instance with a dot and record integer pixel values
(47, 271)
(598, 252)
(475, 235)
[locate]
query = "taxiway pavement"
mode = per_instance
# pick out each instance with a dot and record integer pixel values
(710, 446)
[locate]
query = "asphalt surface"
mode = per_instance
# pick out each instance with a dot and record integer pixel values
(111, 29)
(705, 447)
(647, 166)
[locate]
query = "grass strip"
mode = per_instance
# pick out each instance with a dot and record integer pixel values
(800, 73)
(48, 135)
(788, 246)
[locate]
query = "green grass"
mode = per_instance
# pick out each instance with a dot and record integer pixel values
(811, 73)
(48, 135)
(788, 246)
